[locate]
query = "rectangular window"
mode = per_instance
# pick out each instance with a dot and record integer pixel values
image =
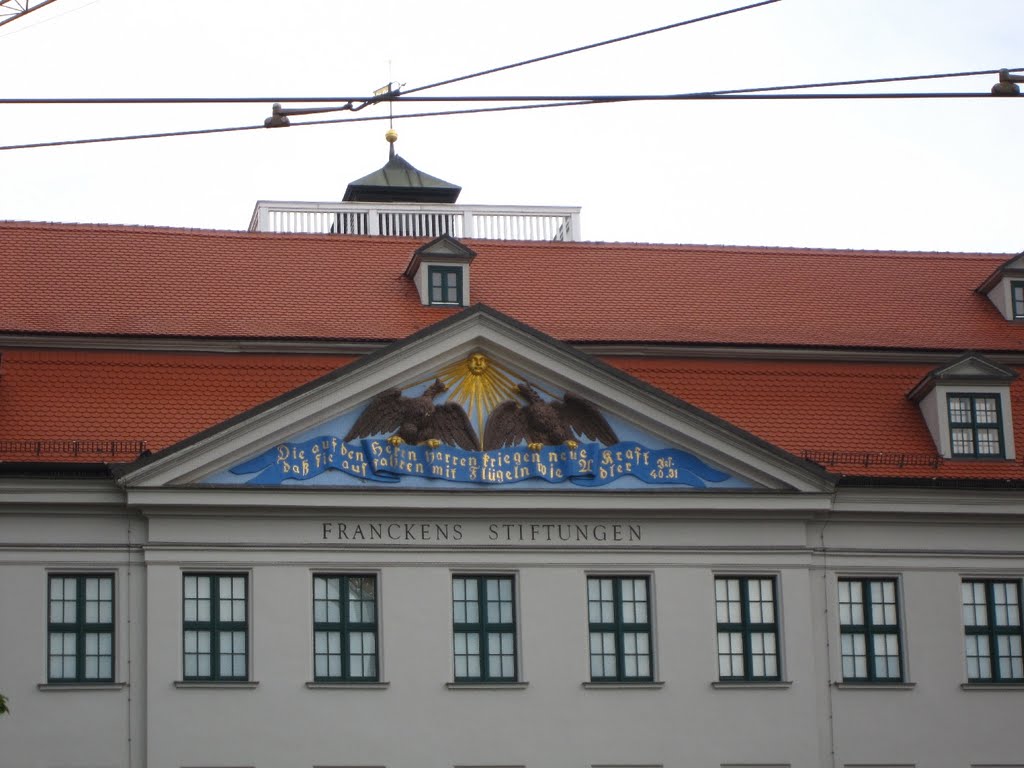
(1017, 290)
(748, 630)
(869, 630)
(445, 285)
(993, 634)
(620, 628)
(344, 628)
(81, 629)
(975, 426)
(484, 638)
(216, 626)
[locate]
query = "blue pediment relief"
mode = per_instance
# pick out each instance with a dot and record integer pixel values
(477, 424)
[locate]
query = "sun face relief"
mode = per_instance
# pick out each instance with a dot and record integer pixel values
(477, 364)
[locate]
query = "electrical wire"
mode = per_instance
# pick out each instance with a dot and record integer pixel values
(591, 46)
(563, 101)
(201, 131)
(405, 97)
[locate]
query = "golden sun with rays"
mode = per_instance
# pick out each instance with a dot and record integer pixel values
(478, 384)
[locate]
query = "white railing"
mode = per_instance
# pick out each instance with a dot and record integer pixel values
(492, 222)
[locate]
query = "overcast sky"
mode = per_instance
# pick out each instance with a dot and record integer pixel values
(905, 175)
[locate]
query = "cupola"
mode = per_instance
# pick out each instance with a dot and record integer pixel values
(399, 182)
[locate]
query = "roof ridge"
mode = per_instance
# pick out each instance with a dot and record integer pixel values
(515, 244)
(160, 229)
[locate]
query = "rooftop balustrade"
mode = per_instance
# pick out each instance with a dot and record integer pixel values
(489, 222)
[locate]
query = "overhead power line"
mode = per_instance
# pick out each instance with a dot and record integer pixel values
(591, 46)
(400, 97)
(547, 102)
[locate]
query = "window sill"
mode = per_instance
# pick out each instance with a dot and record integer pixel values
(81, 686)
(494, 686)
(1013, 685)
(883, 685)
(222, 684)
(370, 685)
(725, 685)
(627, 684)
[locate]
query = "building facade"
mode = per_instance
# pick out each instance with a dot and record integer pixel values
(358, 500)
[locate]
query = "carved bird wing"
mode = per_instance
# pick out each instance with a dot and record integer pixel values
(505, 426)
(582, 416)
(383, 414)
(452, 426)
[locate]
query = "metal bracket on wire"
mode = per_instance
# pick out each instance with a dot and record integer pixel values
(279, 115)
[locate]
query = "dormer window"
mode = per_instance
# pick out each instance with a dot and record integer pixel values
(445, 285)
(975, 425)
(1017, 294)
(440, 272)
(966, 406)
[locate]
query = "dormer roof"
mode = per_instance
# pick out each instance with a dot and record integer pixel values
(971, 369)
(1012, 267)
(442, 250)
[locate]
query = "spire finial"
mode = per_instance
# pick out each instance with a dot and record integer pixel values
(392, 137)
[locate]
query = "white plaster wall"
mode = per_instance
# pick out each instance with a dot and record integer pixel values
(70, 726)
(1000, 296)
(555, 721)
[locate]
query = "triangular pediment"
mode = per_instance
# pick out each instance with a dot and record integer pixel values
(478, 402)
(971, 369)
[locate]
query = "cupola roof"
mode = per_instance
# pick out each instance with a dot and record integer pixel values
(400, 182)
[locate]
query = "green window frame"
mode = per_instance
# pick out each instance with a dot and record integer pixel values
(1017, 299)
(215, 622)
(345, 628)
(619, 617)
(444, 285)
(975, 425)
(869, 630)
(484, 629)
(80, 628)
(992, 630)
(748, 628)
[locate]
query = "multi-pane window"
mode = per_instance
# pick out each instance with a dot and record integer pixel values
(344, 628)
(975, 426)
(81, 629)
(216, 626)
(1017, 289)
(748, 630)
(869, 630)
(484, 629)
(619, 614)
(445, 285)
(992, 627)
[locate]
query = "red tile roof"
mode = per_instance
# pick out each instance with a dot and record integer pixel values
(138, 281)
(853, 418)
(52, 399)
(856, 411)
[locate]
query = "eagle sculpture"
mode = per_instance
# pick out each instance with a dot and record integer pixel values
(545, 423)
(416, 420)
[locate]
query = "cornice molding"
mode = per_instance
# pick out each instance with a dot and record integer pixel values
(598, 349)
